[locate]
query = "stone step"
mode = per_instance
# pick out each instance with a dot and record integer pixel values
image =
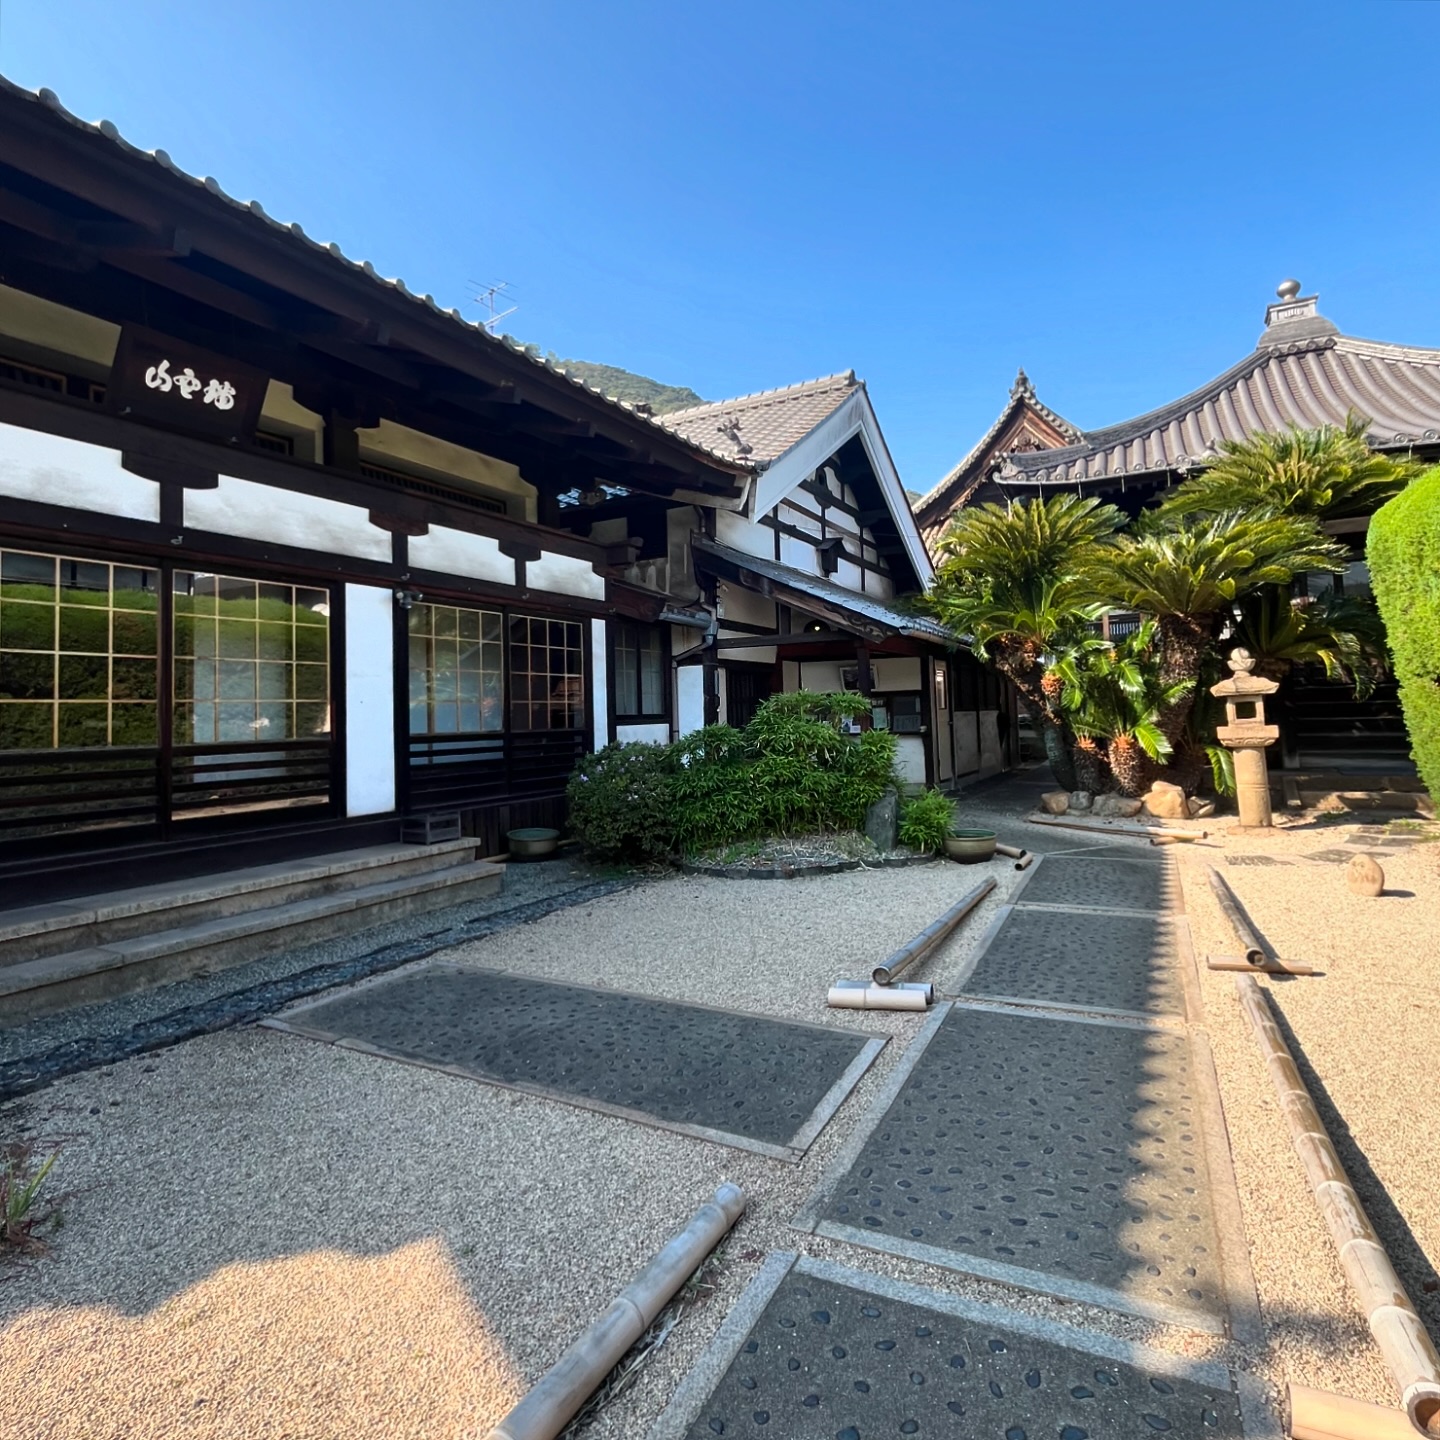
(54, 982)
(33, 932)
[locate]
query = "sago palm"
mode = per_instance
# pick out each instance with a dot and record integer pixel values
(1187, 571)
(1344, 633)
(1327, 472)
(1116, 694)
(1021, 582)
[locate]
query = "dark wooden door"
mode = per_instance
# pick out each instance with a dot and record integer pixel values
(745, 687)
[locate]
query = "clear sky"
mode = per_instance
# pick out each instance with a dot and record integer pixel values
(740, 195)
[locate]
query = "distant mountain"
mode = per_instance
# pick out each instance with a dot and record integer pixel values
(621, 384)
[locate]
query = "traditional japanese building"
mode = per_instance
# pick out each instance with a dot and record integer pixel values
(1022, 427)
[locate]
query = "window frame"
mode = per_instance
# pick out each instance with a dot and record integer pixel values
(627, 717)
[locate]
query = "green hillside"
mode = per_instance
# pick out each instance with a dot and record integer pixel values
(636, 389)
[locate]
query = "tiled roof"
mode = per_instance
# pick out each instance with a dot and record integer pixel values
(1022, 396)
(761, 427)
(1302, 373)
(50, 101)
(880, 612)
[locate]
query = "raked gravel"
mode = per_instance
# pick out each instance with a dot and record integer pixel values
(272, 1237)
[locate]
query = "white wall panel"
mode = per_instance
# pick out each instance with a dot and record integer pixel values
(564, 575)
(283, 517)
(910, 758)
(58, 471)
(799, 555)
(600, 683)
(896, 672)
(644, 734)
(458, 552)
(369, 700)
(742, 534)
(690, 698)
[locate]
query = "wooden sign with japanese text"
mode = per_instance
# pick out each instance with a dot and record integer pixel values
(158, 378)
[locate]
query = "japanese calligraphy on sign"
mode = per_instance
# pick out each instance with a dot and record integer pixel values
(159, 378)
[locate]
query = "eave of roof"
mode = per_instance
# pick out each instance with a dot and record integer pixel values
(473, 331)
(766, 423)
(865, 607)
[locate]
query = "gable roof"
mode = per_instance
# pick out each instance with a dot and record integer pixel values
(104, 133)
(759, 428)
(953, 490)
(1303, 372)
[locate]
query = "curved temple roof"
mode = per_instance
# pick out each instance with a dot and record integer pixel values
(1303, 372)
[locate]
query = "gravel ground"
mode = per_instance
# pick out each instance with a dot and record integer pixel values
(310, 1242)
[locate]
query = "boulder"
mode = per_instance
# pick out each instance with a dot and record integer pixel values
(882, 820)
(1115, 807)
(1080, 800)
(1201, 809)
(1055, 802)
(1364, 876)
(1165, 802)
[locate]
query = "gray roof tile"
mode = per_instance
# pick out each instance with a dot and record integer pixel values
(762, 427)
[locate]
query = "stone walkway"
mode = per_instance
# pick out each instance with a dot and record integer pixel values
(1056, 1127)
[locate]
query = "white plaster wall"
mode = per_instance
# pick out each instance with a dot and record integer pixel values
(798, 555)
(910, 758)
(967, 742)
(689, 698)
(790, 673)
(645, 734)
(896, 672)
(820, 675)
(850, 575)
(564, 575)
(750, 654)
(746, 606)
(882, 587)
(742, 534)
(600, 683)
(58, 471)
(264, 512)
(369, 700)
(457, 552)
(990, 754)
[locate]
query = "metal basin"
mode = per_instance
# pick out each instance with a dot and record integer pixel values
(532, 843)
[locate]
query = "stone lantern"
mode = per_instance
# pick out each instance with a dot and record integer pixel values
(1246, 734)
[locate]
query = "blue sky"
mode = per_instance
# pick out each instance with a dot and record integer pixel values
(742, 195)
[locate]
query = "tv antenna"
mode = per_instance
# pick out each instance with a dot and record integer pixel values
(488, 297)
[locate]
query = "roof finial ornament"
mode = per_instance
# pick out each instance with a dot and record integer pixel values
(1022, 386)
(1288, 289)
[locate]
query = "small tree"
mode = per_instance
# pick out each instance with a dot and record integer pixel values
(1403, 549)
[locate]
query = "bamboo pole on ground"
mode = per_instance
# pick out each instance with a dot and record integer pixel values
(1249, 940)
(931, 936)
(1319, 1415)
(1135, 832)
(1398, 1330)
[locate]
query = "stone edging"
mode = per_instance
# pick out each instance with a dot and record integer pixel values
(800, 872)
(242, 1007)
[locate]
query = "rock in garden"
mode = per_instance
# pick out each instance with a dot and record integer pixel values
(881, 821)
(1080, 800)
(1364, 876)
(1166, 802)
(1055, 802)
(1115, 807)
(1201, 809)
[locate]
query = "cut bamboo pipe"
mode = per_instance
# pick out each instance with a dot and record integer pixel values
(1319, 1415)
(1266, 967)
(1249, 940)
(569, 1382)
(1099, 827)
(930, 936)
(1398, 1331)
(1022, 858)
(857, 995)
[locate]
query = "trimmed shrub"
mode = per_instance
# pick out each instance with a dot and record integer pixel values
(926, 820)
(715, 797)
(620, 802)
(1403, 551)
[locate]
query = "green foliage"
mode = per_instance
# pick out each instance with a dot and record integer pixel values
(620, 802)
(635, 389)
(1403, 550)
(1326, 473)
(791, 769)
(20, 1182)
(1343, 633)
(926, 820)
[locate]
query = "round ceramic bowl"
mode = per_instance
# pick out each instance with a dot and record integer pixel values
(532, 843)
(970, 846)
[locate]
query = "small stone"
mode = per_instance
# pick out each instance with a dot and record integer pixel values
(1166, 802)
(882, 820)
(1364, 876)
(1079, 799)
(1055, 802)
(1118, 807)
(1201, 809)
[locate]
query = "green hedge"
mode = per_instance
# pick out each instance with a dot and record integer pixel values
(793, 768)
(1403, 551)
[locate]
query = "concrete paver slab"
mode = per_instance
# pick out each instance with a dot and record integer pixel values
(1087, 960)
(1102, 882)
(822, 1352)
(748, 1080)
(1061, 1155)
